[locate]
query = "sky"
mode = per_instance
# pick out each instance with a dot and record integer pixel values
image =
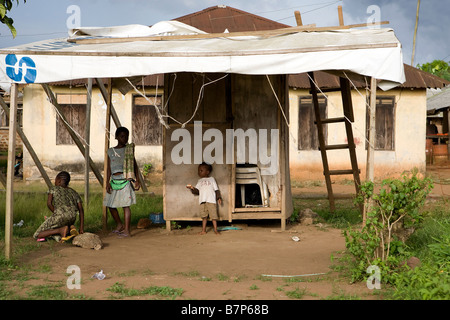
(47, 19)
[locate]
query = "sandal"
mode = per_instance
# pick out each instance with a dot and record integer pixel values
(122, 234)
(67, 238)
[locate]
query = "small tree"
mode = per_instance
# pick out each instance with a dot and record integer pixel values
(397, 203)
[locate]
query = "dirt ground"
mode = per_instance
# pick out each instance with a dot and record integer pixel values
(255, 262)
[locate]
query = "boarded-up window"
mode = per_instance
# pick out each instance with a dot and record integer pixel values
(147, 130)
(307, 129)
(73, 107)
(384, 123)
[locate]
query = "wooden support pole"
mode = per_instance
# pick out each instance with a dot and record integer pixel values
(77, 141)
(87, 147)
(105, 162)
(322, 145)
(3, 180)
(341, 16)
(298, 18)
(9, 212)
(104, 93)
(27, 144)
(371, 138)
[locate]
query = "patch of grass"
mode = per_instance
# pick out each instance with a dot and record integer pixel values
(223, 277)
(47, 292)
(121, 291)
(297, 293)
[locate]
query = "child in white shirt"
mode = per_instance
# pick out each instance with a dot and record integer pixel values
(209, 196)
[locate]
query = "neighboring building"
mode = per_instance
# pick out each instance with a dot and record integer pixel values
(400, 125)
(401, 116)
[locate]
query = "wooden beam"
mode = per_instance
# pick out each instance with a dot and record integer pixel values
(3, 179)
(27, 144)
(104, 93)
(298, 18)
(341, 16)
(371, 145)
(87, 138)
(105, 161)
(77, 141)
(322, 145)
(9, 212)
(265, 33)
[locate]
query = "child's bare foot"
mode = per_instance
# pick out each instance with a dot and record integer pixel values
(217, 232)
(202, 233)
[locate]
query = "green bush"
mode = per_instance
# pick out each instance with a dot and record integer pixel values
(397, 203)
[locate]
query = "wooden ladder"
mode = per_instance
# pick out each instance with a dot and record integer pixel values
(347, 119)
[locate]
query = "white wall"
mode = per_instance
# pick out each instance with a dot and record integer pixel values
(39, 125)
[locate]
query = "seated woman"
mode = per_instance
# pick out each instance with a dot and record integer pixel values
(66, 204)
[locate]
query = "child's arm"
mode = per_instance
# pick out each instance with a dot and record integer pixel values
(50, 202)
(193, 189)
(218, 197)
(81, 210)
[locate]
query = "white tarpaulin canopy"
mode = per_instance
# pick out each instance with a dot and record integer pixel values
(370, 52)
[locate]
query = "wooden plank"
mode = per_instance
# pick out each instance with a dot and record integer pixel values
(9, 212)
(371, 145)
(336, 146)
(341, 172)
(348, 114)
(203, 54)
(265, 33)
(27, 145)
(105, 161)
(341, 16)
(333, 120)
(3, 179)
(87, 138)
(298, 18)
(322, 142)
(77, 141)
(257, 209)
(257, 215)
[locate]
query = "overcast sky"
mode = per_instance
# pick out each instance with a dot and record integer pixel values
(46, 19)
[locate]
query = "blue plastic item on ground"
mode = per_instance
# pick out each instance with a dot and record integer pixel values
(157, 218)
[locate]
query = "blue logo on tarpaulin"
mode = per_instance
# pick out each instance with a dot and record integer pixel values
(26, 68)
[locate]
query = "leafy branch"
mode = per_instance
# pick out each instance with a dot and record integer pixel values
(5, 8)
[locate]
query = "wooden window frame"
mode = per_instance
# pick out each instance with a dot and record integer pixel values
(72, 106)
(142, 141)
(382, 141)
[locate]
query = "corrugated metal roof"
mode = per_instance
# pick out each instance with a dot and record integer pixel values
(439, 101)
(415, 79)
(217, 19)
